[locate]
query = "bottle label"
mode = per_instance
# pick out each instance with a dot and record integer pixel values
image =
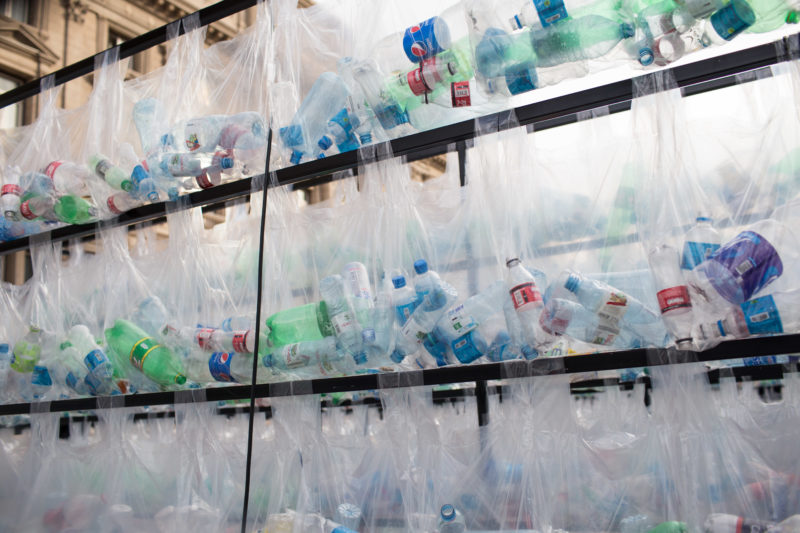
(192, 142)
(102, 168)
(113, 206)
(761, 316)
(421, 42)
(343, 322)
(459, 322)
(97, 360)
(673, 298)
(465, 350)
(751, 260)
(240, 341)
(11, 188)
(405, 311)
(141, 349)
(728, 21)
(356, 278)
(25, 211)
(525, 295)
(460, 94)
(51, 168)
(411, 330)
(203, 337)
(604, 335)
(294, 357)
(72, 381)
(695, 253)
(416, 82)
(219, 364)
(41, 376)
(612, 311)
(550, 11)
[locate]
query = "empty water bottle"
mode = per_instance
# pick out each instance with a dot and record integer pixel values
(526, 298)
(727, 22)
(68, 177)
(770, 314)
(672, 293)
(327, 97)
(121, 202)
(10, 196)
(100, 377)
(320, 352)
(451, 521)
(27, 351)
(404, 299)
(566, 317)
(342, 317)
(537, 14)
(358, 291)
(608, 303)
(701, 241)
(417, 328)
(341, 132)
(5, 368)
(578, 39)
(389, 112)
(429, 288)
(243, 132)
(110, 173)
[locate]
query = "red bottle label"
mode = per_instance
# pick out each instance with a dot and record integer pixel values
(203, 338)
(11, 188)
(674, 298)
(240, 341)
(416, 82)
(524, 294)
(51, 169)
(459, 94)
(25, 210)
(112, 206)
(202, 180)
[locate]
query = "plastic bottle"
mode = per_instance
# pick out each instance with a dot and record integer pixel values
(243, 132)
(202, 134)
(358, 291)
(149, 116)
(42, 380)
(578, 39)
(432, 77)
(342, 317)
(426, 39)
(451, 520)
(538, 14)
(340, 132)
(231, 367)
(303, 354)
(382, 324)
(672, 293)
(404, 299)
(121, 202)
(68, 177)
(419, 325)
(526, 299)
(183, 164)
(656, 37)
(565, 317)
(74, 210)
(100, 376)
(152, 359)
(669, 527)
(744, 265)
(39, 207)
(73, 372)
(726, 523)
(517, 79)
(428, 286)
(608, 303)
(772, 14)
(27, 351)
(387, 109)
(726, 23)
(5, 368)
(304, 323)
(110, 173)
(327, 97)
(701, 241)
(790, 525)
(10, 196)
(774, 313)
(364, 121)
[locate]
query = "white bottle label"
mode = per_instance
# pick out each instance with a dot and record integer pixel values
(343, 322)
(411, 330)
(612, 310)
(459, 322)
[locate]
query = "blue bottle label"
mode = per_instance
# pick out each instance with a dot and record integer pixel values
(465, 348)
(422, 42)
(761, 316)
(751, 261)
(219, 364)
(436, 349)
(404, 311)
(93, 383)
(550, 11)
(71, 380)
(758, 361)
(95, 359)
(695, 253)
(521, 78)
(41, 376)
(732, 19)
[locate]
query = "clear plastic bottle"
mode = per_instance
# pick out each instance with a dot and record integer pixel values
(100, 377)
(538, 14)
(672, 293)
(39, 207)
(202, 134)
(27, 351)
(10, 196)
(231, 367)
(701, 241)
(68, 177)
(752, 260)
(404, 299)
(428, 286)
(726, 523)
(121, 202)
(565, 317)
(516, 79)
(578, 39)
(451, 520)
(770, 314)
(303, 354)
(387, 110)
(243, 132)
(415, 331)
(358, 291)
(341, 132)
(5, 368)
(526, 299)
(342, 317)
(608, 303)
(72, 371)
(772, 14)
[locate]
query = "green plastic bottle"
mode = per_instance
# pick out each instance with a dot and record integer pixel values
(27, 351)
(74, 210)
(772, 14)
(145, 353)
(305, 323)
(669, 527)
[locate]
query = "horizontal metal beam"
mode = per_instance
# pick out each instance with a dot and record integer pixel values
(598, 362)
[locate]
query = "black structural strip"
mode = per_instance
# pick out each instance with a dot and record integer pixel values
(131, 47)
(694, 77)
(598, 362)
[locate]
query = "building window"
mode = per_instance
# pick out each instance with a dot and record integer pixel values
(15, 9)
(10, 116)
(137, 61)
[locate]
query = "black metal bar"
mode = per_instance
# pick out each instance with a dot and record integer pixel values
(699, 76)
(259, 293)
(482, 395)
(129, 48)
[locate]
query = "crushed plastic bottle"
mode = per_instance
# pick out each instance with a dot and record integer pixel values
(672, 293)
(342, 317)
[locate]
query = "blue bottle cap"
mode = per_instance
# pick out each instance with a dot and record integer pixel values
(626, 30)
(365, 138)
(572, 283)
(420, 266)
(448, 512)
(296, 157)
(703, 219)
(268, 361)
(646, 56)
(138, 174)
(399, 282)
(153, 196)
(368, 335)
(325, 142)
(397, 357)
(173, 194)
(226, 162)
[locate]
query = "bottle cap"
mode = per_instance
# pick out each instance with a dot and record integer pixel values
(703, 219)
(514, 261)
(397, 357)
(325, 142)
(226, 162)
(296, 157)
(572, 283)
(268, 361)
(420, 266)
(398, 282)
(448, 512)
(646, 56)
(180, 379)
(793, 17)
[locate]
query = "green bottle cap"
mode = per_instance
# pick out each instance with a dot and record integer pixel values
(793, 17)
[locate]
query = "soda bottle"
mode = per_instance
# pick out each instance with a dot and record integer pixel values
(110, 173)
(578, 39)
(452, 521)
(526, 298)
(701, 241)
(669, 527)
(39, 207)
(303, 354)
(10, 196)
(744, 265)
(342, 317)
(327, 97)
(426, 39)
(121, 202)
(27, 351)
(74, 210)
(672, 293)
(404, 299)
(153, 359)
(726, 523)
(766, 315)
(68, 177)
(304, 323)
(538, 14)
(231, 367)
(428, 286)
